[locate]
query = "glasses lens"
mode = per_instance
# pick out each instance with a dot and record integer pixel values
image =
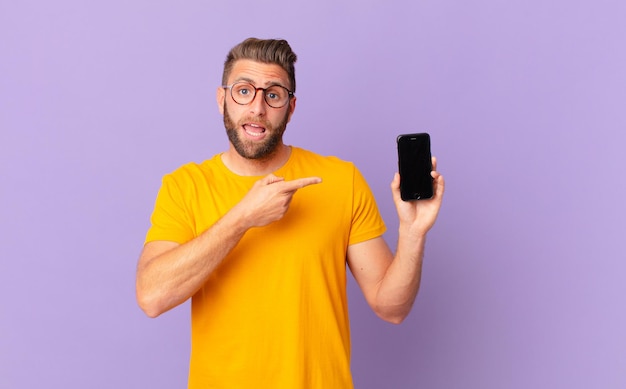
(243, 93)
(276, 96)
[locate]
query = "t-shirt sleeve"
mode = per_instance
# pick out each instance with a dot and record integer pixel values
(367, 223)
(170, 219)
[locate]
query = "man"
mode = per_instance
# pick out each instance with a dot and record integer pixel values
(259, 237)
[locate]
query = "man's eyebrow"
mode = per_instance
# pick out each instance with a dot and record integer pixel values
(246, 79)
(267, 85)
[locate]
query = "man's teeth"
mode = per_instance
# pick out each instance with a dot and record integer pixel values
(253, 129)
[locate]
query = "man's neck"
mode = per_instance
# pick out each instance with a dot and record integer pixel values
(256, 167)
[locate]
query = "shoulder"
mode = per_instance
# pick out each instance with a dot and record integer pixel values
(314, 160)
(193, 170)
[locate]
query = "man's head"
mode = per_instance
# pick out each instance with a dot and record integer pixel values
(269, 51)
(256, 96)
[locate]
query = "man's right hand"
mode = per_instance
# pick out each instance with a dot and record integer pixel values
(269, 198)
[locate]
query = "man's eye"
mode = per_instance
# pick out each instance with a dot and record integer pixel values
(244, 91)
(272, 96)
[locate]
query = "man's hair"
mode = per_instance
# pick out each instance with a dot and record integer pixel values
(270, 51)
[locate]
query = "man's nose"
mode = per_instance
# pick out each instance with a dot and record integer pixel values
(258, 104)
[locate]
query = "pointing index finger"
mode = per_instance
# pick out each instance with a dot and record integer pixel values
(300, 183)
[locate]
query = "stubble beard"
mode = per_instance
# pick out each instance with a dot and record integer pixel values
(250, 149)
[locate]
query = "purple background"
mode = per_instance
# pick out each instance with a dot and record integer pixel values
(523, 283)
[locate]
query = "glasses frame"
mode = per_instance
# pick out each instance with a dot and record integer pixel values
(290, 94)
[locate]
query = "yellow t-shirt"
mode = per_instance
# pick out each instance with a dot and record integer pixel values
(274, 314)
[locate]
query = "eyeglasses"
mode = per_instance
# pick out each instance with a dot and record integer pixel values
(243, 93)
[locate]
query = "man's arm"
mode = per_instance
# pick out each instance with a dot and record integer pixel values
(169, 273)
(390, 283)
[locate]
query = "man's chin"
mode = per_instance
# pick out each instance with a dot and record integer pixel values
(254, 150)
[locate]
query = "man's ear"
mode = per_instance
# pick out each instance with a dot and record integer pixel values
(220, 95)
(292, 107)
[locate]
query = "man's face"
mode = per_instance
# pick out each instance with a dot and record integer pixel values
(255, 130)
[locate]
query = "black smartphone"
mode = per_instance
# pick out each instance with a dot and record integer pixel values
(415, 165)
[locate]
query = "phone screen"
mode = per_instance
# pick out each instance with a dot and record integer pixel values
(415, 165)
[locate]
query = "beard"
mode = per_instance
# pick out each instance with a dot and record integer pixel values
(250, 149)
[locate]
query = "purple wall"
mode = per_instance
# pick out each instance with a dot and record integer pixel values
(523, 283)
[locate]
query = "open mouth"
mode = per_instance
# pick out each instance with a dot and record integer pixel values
(254, 130)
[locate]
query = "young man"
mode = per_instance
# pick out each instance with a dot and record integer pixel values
(259, 237)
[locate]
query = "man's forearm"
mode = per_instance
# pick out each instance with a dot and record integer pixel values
(401, 283)
(168, 274)
(167, 278)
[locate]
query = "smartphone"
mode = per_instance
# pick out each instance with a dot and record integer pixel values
(415, 165)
